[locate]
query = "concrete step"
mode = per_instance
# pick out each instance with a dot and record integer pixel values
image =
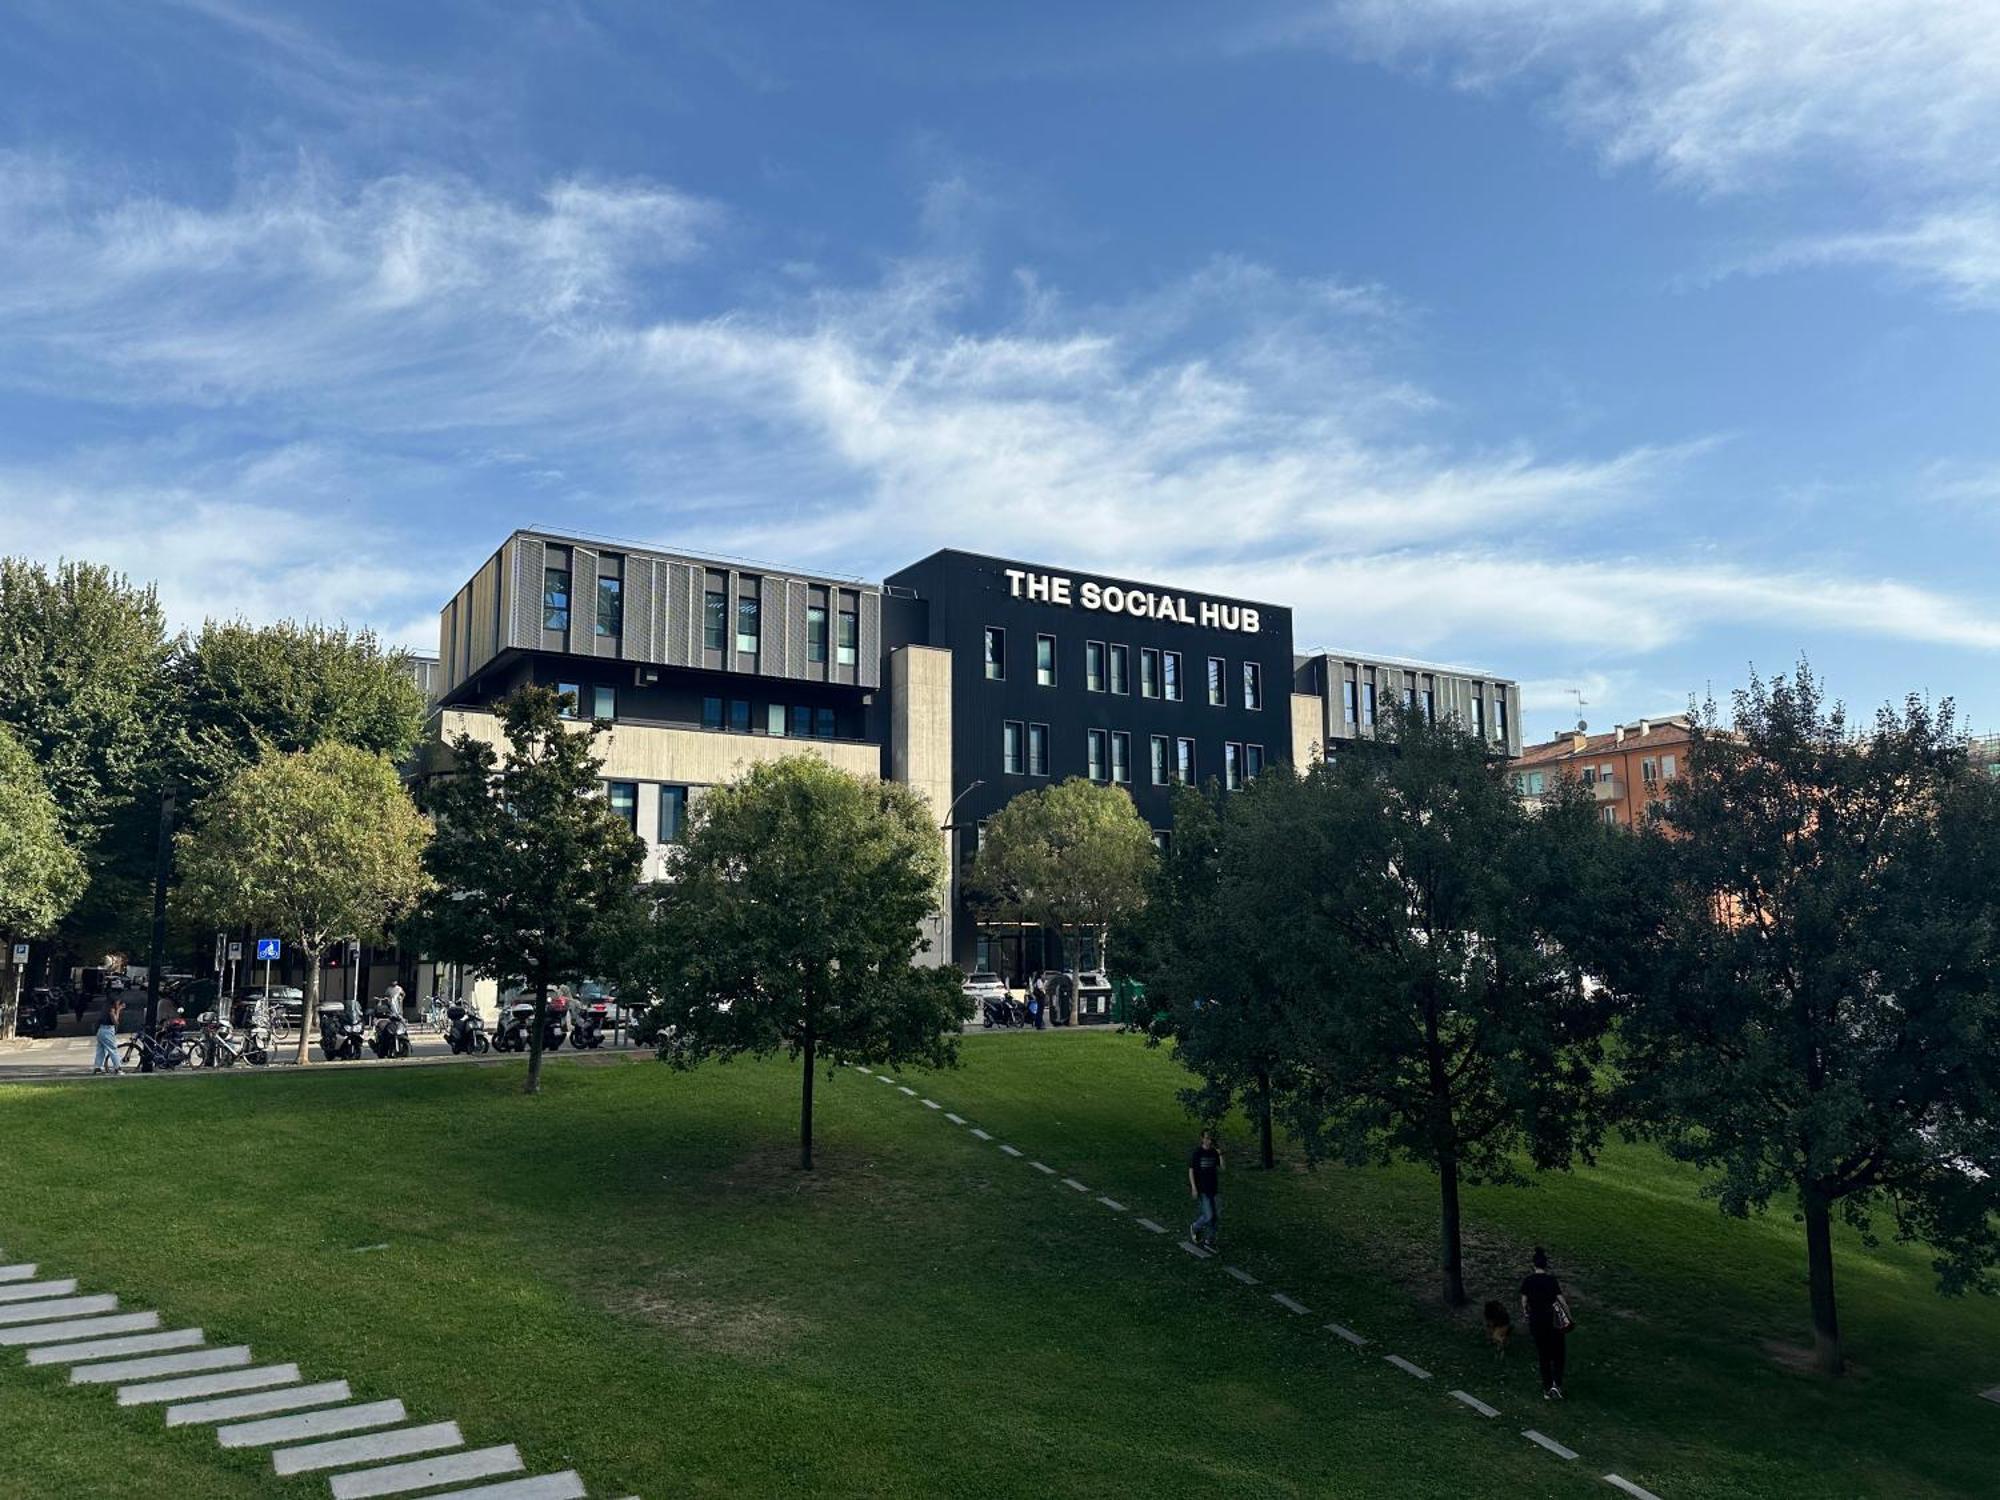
(60, 1307)
(116, 1371)
(427, 1473)
(375, 1446)
(77, 1328)
(219, 1384)
(327, 1422)
(28, 1291)
(118, 1348)
(23, 1272)
(564, 1486)
(258, 1403)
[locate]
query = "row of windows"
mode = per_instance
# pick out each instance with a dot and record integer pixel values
(1651, 771)
(555, 602)
(624, 799)
(749, 622)
(798, 721)
(1024, 751)
(1358, 706)
(1107, 668)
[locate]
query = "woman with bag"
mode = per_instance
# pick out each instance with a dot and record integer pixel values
(1549, 1323)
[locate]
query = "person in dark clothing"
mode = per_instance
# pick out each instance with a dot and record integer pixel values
(1205, 1187)
(1549, 1322)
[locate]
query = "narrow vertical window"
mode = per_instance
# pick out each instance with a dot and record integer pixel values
(1218, 684)
(1010, 747)
(1368, 702)
(1500, 714)
(610, 606)
(996, 653)
(1347, 701)
(604, 704)
(711, 713)
(1184, 761)
(774, 718)
(1253, 762)
(1232, 766)
(673, 813)
(1121, 756)
(815, 632)
(1253, 685)
(1093, 666)
(1045, 661)
(1149, 672)
(1121, 657)
(749, 626)
(1094, 739)
(624, 799)
(802, 720)
(1430, 706)
(574, 694)
(823, 725)
(739, 715)
(555, 599)
(1479, 716)
(848, 647)
(1170, 665)
(714, 618)
(1160, 776)
(1038, 749)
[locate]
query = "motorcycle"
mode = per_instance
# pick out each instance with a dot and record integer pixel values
(464, 1031)
(1000, 1010)
(339, 1038)
(520, 1023)
(37, 1014)
(587, 1029)
(390, 1035)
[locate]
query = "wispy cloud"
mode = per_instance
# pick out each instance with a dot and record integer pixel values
(1954, 250)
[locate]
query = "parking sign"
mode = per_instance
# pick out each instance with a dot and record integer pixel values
(267, 948)
(235, 952)
(20, 955)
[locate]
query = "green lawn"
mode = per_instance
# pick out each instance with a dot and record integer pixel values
(627, 1276)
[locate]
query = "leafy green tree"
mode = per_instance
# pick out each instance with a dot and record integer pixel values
(793, 920)
(1071, 856)
(1426, 1009)
(40, 874)
(531, 872)
(1815, 1000)
(319, 846)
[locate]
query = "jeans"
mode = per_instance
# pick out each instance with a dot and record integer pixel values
(1549, 1353)
(106, 1056)
(1209, 1219)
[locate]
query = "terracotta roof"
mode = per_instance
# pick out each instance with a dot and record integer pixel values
(1658, 732)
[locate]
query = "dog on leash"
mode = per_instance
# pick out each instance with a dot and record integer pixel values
(1499, 1329)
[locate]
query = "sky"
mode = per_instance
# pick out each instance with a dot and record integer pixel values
(1620, 348)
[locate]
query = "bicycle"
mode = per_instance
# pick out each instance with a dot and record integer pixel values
(144, 1049)
(434, 1016)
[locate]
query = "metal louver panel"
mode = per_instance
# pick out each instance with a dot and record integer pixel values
(582, 600)
(524, 628)
(641, 639)
(679, 583)
(868, 671)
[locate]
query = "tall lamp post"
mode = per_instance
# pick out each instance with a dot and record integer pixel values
(948, 828)
(162, 862)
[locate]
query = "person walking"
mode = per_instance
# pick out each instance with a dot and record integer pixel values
(1205, 1187)
(1549, 1323)
(105, 1059)
(1038, 1003)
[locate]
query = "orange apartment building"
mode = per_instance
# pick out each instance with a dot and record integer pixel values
(1625, 769)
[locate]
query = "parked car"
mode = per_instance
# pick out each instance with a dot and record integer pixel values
(982, 985)
(290, 1002)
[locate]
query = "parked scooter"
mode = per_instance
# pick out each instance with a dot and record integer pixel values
(555, 1026)
(464, 1031)
(520, 1021)
(216, 1044)
(390, 1034)
(339, 1038)
(38, 1013)
(586, 1029)
(1000, 1010)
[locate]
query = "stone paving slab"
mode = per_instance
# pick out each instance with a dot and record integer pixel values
(1543, 1440)
(77, 1328)
(907, 1089)
(28, 1291)
(1617, 1482)
(116, 1348)
(219, 1384)
(1341, 1330)
(60, 1307)
(1406, 1367)
(1071, 1182)
(1042, 1166)
(1992, 1395)
(1475, 1403)
(327, 1422)
(111, 1372)
(427, 1473)
(981, 1134)
(1011, 1150)
(1111, 1203)
(372, 1448)
(564, 1486)
(1289, 1304)
(955, 1119)
(258, 1403)
(1148, 1224)
(1241, 1275)
(22, 1272)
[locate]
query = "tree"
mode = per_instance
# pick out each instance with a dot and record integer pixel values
(40, 874)
(794, 919)
(531, 872)
(319, 846)
(1427, 1011)
(1815, 1000)
(1073, 855)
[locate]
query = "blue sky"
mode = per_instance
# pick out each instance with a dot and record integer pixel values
(1617, 347)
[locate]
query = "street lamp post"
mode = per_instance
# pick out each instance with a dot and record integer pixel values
(948, 828)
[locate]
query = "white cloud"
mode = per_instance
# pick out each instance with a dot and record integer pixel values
(1954, 250)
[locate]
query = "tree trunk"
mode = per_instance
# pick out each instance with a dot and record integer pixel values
(534, 1083)
(11, 1006)
(806, 1103)
(1451, 1260)
(1819, 1272)
(309, 1021)
(1264, 1117)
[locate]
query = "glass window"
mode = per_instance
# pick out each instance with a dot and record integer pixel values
(823, 723)
(1410, 696)
(1120, 663)
(1253, 762)
(1232, 766)
(1121, 756)
(1535, 783)
(1045, 660)
(1163, 841)
(1010, 747)
(1218, 686)
(1094, 739)
(1149, 672)
(1253, 685)
(1611, 812)
(714, 617)
(1093, 666)
(815, 632)
(1479, 716)
(1666, 768)
(1184, 761)
(673, 813)
(624, 799)
(802, 720)
(1038, 749)
(711, 713)
(1500, 716)
(739, 715)
(604, 702)
(1368, 702)
(610, 606)
(774, 719)
(996, 653)
(1170, 666)
(1430, 707)
(1347, 700)
(555, 598)
(850, 638)
(1159, 760)
(575, 695)
(748, 626)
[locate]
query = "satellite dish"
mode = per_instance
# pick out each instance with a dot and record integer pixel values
(1582, 726)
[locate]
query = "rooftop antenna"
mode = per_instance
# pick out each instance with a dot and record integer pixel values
(1582, 702)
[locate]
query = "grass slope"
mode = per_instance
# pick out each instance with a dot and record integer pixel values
(627, 1276)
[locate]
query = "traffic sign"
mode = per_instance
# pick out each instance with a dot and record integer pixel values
(235, 952)
(20, 955)
(267, 949)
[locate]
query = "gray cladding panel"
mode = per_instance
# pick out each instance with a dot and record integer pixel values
(530, 557)
(582, 601)
(869, 669)
(641, 639)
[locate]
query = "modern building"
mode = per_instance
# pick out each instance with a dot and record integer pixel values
(1347, 697)
(1625, 769)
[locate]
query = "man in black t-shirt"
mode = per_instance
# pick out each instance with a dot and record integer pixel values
(1205, 1187)
(1548, 1316)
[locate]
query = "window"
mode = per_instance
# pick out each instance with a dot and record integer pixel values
(1253, 685)
(1666, 768)
(1430, 706)
(1093, 666)
(848, 648)
(1649, 770)
(1347, 701)
(1149, 672)
(1535, 784)
(1500, 716)
(1590, 776)
(1218, 686)
(748, 626)
(610, 606)
(1410, 696)
(673, 813)
(1608, 770)
(1045, 661)
(996, 653)
(1159, 760)
(815, 632)
(1232, 766)
(1121, 756)
(1095, 741)
(1184, 761)
(1010, 747)
(711, 713)
(1163, 841)
(604, 702)
(1170, 665)
(1479, 716)
(575, 695)
(714, 616)
(1253, 762)
(555, 599)
(1038, 749)
(774, 719)
(624, 799)
(1611, 812)
(823, 726)
(739, 715)
(802, 720)
(1121, 659)
(1368, 702)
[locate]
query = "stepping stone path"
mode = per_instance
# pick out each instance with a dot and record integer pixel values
(365, 1448)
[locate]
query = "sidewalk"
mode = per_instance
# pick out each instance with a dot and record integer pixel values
(68, 1057)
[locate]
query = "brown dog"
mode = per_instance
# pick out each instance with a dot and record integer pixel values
(1499, 1328)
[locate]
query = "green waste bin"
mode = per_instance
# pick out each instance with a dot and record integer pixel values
(1128, 1002)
